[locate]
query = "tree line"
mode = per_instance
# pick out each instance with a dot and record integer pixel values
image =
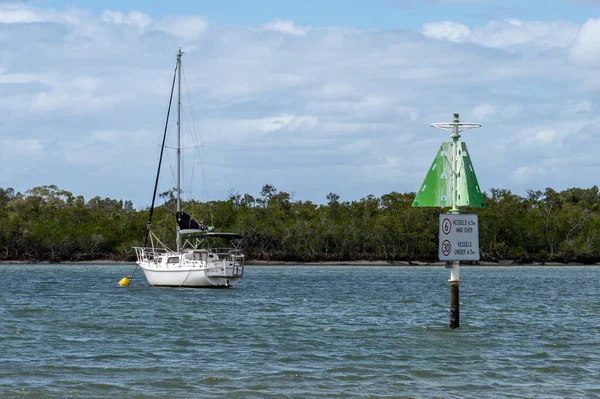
(49, 224)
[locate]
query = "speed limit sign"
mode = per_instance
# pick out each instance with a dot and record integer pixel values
(459, 237)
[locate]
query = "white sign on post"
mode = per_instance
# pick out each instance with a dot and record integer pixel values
(459, 237)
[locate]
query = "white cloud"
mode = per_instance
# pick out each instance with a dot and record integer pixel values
(539, 141)
(106, 136)
(514, 32)
(482, 111)
(586, 47)
(105, 150)
(410, 112)
(269, 131)
(591, 84)
(291, 122)
(185, 27)
(447, 30)
(19, 13)
(20, 78)
(506, 33)
(21, 159)
(578, 108)
(526, 174)
(544, 137)
(136, 18)
(21, 147)
(586, 136)
(337, 90)
(358, 146)
(84, 101)
(286, 27)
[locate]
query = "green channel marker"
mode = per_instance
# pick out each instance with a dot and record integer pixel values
(436, 190)
(443, 187)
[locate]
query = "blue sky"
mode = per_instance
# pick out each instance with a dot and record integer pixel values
(373, 14)
(313, 97)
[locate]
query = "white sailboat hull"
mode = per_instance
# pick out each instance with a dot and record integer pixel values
(185, 277)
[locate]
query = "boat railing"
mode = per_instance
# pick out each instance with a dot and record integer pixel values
(233, 255)
(153, 254)
(226, 253)
(149, 254)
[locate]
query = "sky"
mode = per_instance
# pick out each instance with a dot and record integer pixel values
(312, 97)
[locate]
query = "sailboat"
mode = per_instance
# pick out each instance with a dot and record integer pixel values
(194, 263)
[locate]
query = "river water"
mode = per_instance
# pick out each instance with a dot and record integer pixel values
(69, 331)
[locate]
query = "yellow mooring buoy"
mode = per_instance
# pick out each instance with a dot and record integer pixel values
(124, 282)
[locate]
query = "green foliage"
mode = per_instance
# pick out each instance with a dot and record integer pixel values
(50, 224)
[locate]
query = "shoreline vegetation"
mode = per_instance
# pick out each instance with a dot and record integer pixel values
(360, 263)
(48, 225)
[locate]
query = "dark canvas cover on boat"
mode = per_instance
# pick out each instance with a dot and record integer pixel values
(186, 222)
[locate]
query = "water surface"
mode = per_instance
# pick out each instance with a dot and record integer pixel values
(69, 331)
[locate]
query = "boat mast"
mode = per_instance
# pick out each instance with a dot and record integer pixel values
(179, 145)
(162, 149)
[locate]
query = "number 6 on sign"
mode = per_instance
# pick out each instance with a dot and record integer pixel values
(446, 226)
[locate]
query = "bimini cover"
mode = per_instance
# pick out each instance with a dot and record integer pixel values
(186, 222)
